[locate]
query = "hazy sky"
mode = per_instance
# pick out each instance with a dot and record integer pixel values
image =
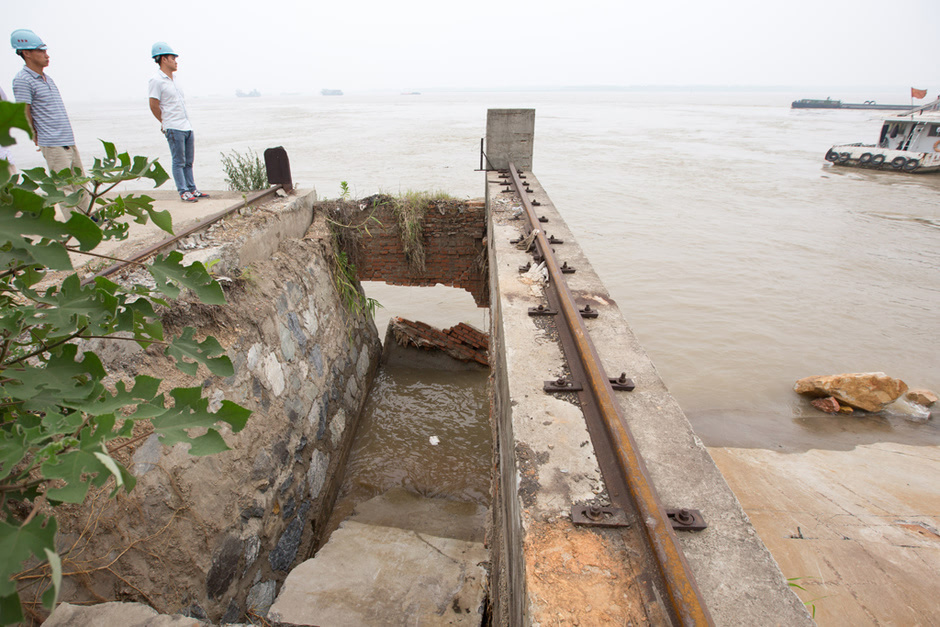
(100, 49)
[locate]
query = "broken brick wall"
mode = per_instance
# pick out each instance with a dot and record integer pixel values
(454, 239)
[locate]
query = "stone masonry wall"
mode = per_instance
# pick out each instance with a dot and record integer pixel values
(454, 244)
(213, 537)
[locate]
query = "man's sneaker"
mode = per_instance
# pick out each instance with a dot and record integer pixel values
(197, 194)
(188, 197)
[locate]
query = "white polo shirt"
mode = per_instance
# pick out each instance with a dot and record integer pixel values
(172, 104)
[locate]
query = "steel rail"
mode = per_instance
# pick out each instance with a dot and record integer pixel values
(684, 596)
(202, 224)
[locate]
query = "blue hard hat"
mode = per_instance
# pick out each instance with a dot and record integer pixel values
(24, 39)
(161, 48)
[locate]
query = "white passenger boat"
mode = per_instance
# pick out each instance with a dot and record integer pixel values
(909, 142)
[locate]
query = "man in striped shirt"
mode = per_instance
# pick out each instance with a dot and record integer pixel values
(52, 132)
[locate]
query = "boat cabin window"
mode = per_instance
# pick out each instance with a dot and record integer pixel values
(934, 130)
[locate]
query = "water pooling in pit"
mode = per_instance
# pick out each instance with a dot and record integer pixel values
(407, 410)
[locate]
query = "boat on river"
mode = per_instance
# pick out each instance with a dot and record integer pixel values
(909, 142)
(829, 103)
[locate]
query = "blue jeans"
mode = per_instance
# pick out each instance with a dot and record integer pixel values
(182, 149)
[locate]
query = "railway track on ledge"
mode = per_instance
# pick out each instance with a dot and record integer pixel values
(625, 474)
(199, 226)
(277, 170)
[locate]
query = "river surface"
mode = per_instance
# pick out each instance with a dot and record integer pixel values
(741, 258)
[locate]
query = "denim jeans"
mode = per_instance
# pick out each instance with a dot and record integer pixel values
(182, 149)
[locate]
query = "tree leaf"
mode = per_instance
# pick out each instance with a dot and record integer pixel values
(77, 468)
(52, 594)
(209, 443)
(190, 410)
(17, 543)
(109, 149)
(63, 380)
(12, 115)
(203, 352)
(112, 467)
(10, 610)
(169, 274)
(142, 207)
(29, 224)
(12, 450)
(144, 391)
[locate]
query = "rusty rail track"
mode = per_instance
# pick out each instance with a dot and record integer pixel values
(629, 482)
(199, 226)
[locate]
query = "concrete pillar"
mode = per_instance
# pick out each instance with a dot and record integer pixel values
(509, 137)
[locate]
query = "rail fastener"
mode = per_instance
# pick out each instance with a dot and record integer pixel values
(622, 383)
(542, 310)
(587, 312)
(562, 384)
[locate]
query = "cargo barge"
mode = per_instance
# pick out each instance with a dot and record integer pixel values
(828, 103)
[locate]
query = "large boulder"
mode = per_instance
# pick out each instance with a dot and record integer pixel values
(870, 391)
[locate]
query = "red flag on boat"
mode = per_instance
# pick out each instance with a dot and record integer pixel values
(918, 93)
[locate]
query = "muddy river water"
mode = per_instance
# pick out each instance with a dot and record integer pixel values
(742, 260)
(740, 257)
(425, 431)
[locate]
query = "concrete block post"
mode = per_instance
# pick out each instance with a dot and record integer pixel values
(510, 134)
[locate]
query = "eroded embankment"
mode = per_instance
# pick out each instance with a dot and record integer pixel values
(212, 537)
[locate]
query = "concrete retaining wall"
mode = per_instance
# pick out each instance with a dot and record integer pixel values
(215, 536)
(545, 569)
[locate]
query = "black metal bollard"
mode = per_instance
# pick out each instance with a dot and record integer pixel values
(278, 166)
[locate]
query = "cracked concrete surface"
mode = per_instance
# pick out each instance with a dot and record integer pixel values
(857, 529)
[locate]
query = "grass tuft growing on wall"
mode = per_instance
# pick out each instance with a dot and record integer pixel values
(410, 209)
(244, 172)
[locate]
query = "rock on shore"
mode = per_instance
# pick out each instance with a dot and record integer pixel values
(869, 391)
(922, 397)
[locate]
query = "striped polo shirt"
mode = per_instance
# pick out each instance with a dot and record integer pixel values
(46, 107)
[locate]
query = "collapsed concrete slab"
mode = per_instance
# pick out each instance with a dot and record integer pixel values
(114, 613)
(428, 571)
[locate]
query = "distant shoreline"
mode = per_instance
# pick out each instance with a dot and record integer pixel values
(807, 91)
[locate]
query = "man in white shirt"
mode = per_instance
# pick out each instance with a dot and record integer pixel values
(169, 107)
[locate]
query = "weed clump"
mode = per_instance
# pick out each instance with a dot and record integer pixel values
(410, 209)
(244, 173)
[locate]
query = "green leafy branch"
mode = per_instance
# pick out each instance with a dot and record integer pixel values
(56, 415)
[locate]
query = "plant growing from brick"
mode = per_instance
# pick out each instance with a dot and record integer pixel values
(410, 208)
(57, 417)
(346, 227)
